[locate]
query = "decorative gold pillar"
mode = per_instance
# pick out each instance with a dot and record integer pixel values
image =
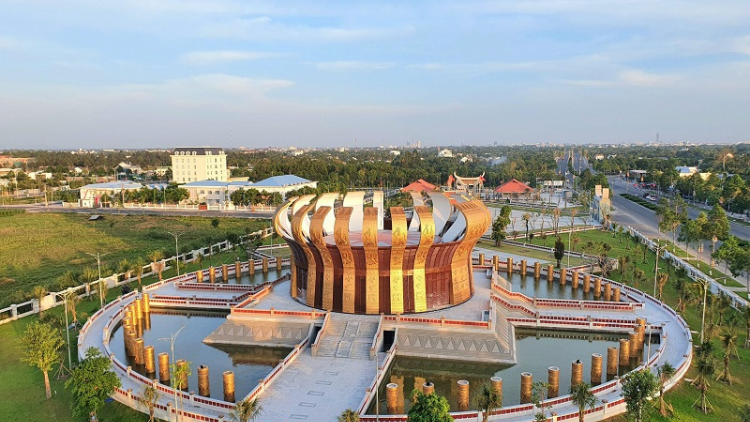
(204, 386)
(481, 258)
(212, 274)
(624, 352)
(597, 287)
(497, 386)
(586, 283)
(495, 262)
(237, 270)
(550, 273)
(372, 273)
(526, 385)
(146, 303)
(139, 354)
(596, 368)
(341, 236)
(225, 272)
(633, 340)
(428, 388)
(478, 220)
(138, 313)
(616, 294)
(426, 239)
(251, 266)
(164, 368)
(523, 267)
(640, 328)
(399, 234)
(463, 395)
(537, 270)
(150, 359)
(509, 266)
(612, 361)
(316, 235)
(265, 265)
(608, 292)
(576, 373)
(199, 276)
(391, 398)
(181, 363)
(228, 377)
(563, 276)
(574, 279)
(553, 381)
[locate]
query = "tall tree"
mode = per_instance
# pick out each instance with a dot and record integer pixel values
(583, 398)
(729, 340)
(499, 225)
(526, 218)
(488, 400)
(157, 264)
(42, 345)
(149, 397)
(91, 383)
(559, 251)
(666, 372)
(705, 365)
(637, 388)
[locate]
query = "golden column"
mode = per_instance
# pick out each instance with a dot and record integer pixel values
(553, 381)
(164, 368)
(481, 259)
(526, 384)
(149, 357)
(204, 387)
(399, 233)
(372, 273)
(624, 352)
(616, 294)
(586, 283)
(563, 276)
(463, 395)
(225, 272)
(228, 378)
(265, 265)
(597, 287)
(316, 235)
(509, 266)
(146, 302)
(391, 398)
(181, 363)
(497, 386)
(576, 373)
(212, 274)
(608, 292)
(341, 236)
(237, 270)
(612, 361)
(574, 279)
(596, 368)
(199, 276)
(139, 353)
(537, 270)
(634, 349)
(428, 388)
(550, 273)
(251, 266)
(523, 267)
(426, 239)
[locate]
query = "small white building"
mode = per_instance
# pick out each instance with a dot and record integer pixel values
(283, 184)
(445, 153)
(91, 195)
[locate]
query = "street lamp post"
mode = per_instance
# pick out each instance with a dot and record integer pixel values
(98, 257)
(176, 250)
(650, 330)
(377, 389)
(64, 295)
(658, 251)
(171, 341)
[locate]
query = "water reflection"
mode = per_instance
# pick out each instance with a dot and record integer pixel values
(544, 289)
(250, 364)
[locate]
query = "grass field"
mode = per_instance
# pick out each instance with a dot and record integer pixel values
(38, 248)
(532, 254)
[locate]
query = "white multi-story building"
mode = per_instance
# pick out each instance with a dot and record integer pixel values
(191, 164)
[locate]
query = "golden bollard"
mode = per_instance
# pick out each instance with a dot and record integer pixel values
(640, 328)
(550, 273)
(279, 261)
(624, 352)
(238, 270)
(563, 276)
(509, 266)
(228, 386)
(576, 374)
(523, 268)
(497, 386)
(146, 302)
(463, 395)
(574, 279)
(526, 383)
(537, 270)
(612, 361)
(204, 387)
(199, 276)
(607, 292)
(265, 265)
(251, 266)
(586, 283)
(212, 275)
(553, 381)
(139, 353)
(597, 287)
(391, 398)
(633, 340)
(181, 363)
(616, 294)
(596, 369)
(428, 388)
(496, 262)
(225, 272)
(164, 368)
(481, 259)
(138, 309)
(149, 358)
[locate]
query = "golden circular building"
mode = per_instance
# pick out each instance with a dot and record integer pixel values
(354, 260)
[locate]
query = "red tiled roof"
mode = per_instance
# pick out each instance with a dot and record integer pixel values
(419, 186)
(513, 186)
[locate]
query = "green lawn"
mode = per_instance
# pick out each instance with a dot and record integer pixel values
(532, 254)
(38, 248)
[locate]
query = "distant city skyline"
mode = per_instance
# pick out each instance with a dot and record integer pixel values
(163, 73)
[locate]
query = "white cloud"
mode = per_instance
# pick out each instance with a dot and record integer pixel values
(206, 58)
(354, 65)
(640, 78)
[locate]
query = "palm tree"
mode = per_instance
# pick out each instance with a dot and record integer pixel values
(349, 416)
(723, 303)
(665, 372)
(638, 276)
(38, 293)
(685, 294)
(87, 276)
(125, 267)
(728, 340)
(576, 241)
(138, 268)
(746, 316)
(150, 395)
(246, 410)
(526, 218)
(156, 265)
(581, 396)
(662, 279)
(73, 301)
(488, 400)
(706, 366)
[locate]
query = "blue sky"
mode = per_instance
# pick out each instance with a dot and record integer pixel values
(162, 73)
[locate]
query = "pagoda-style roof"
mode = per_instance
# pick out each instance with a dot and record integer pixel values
(420, 185)
(469, 180)
(513, 186)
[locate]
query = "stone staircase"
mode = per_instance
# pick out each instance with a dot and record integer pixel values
(347, 337)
